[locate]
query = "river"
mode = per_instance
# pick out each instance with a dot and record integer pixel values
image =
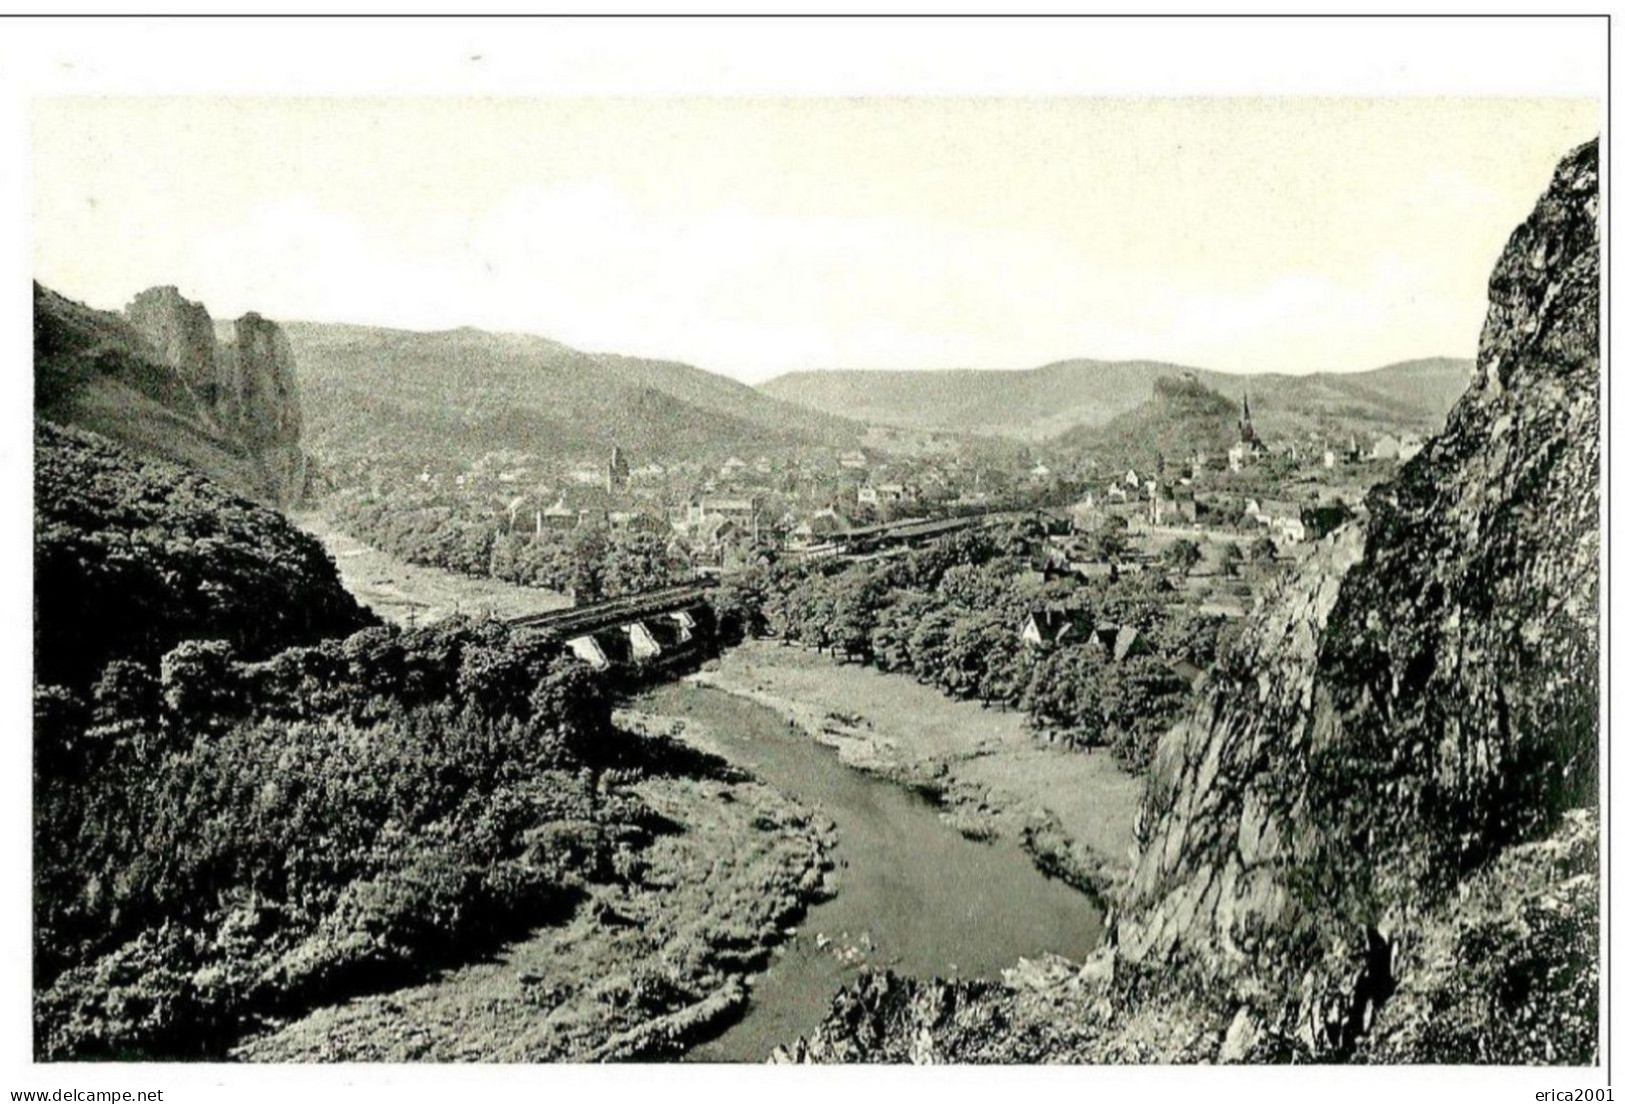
(912, 893)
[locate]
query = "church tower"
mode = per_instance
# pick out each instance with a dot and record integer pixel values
(1246, 424)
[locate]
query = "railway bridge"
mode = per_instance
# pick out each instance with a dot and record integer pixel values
(653, 628)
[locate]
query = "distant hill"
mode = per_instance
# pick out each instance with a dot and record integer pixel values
(1041, 403)
(158, 380)
(1182, 416)
(467, 391)
(1030, 405)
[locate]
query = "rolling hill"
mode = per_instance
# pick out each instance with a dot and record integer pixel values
(468, 392)
(1042, 403)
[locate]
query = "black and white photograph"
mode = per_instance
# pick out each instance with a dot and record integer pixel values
(796, 542)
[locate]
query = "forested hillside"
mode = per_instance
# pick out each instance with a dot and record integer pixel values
(1183, 417)
(133, 556)
(243, 806)
(462, 393)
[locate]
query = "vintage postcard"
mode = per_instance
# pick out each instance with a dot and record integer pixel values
(809, 541)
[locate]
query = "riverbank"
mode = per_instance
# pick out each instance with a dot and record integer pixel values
(1072, 812)
(912, 894)
(409, 594)
(644, 967)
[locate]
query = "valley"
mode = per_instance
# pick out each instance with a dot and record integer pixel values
(1106, 712)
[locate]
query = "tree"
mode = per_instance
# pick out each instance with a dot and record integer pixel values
(855, 597)
(894, 623)
(1064, 694)
(1182, 555)
(927, 644)
(1229, 558)
(740, 603)
(1141, 698)
(199, 683)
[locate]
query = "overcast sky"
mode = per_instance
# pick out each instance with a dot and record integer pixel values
(757, 237)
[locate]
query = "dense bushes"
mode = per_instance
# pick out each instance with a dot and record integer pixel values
(238, 809)
(222, 839)
(133, 556)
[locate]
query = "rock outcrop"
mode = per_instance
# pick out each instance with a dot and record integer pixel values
(157, 380)
(259, 398)
(1425, 695)
(180, 333)
(1408, 727)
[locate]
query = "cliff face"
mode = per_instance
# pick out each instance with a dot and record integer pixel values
(260, 398)
(1425, 693)
(1387, 798)
(157, 380)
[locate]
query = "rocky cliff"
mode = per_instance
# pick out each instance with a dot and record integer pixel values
(1375, 838)
(259, 397)
(157, 380)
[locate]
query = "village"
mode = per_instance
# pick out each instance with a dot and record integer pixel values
(815, 502)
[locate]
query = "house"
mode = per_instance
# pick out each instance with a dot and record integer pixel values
(738, 509)
(1385, 447)
(1177, 511)
(1131, 478)
(1409, 446)
(557, 516)
(636, 521)
(1119, 642)
(1290, 528)
(854, 460)
(868, 496)
(1052, 626)
(709, 538)
(1271, 511)
(1094, 571)
(1328, 459)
